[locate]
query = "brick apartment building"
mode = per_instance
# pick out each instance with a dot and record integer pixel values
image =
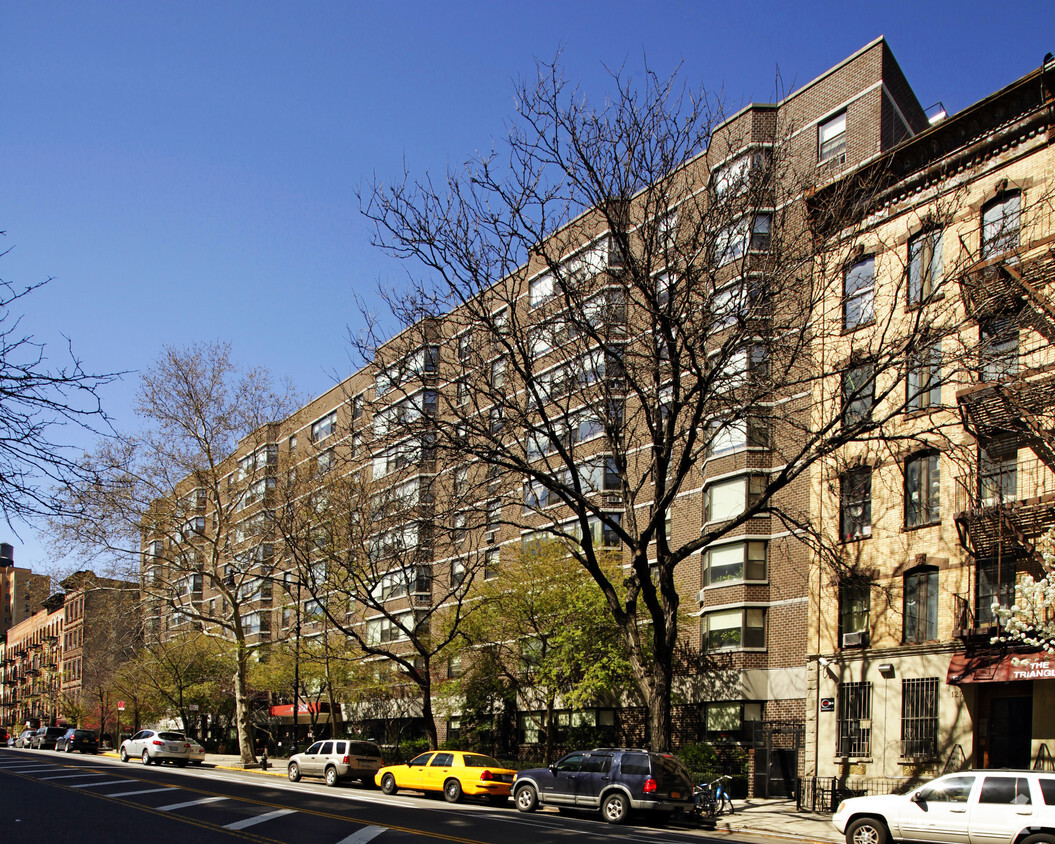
(444, 462)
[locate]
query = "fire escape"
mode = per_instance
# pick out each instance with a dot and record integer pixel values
(1008, 500)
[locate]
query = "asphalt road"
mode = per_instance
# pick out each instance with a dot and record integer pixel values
(48, 797)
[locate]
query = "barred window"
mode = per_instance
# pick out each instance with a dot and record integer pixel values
(919, 718)
(855, 719)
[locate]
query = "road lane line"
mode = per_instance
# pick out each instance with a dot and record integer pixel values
(173, 806)
(367, 833)
(242, 824)
(94, 784)
(69, 776)
(142, 791)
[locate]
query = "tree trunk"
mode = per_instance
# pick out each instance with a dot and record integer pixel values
(428, 717)
(241, 705)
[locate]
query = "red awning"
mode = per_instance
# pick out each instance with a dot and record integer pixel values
(1000, 668)
(302, 709)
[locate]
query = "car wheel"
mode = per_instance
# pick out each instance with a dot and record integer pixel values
(452, 791)
(526, 798)
(615, 807)
(1039, 838)
(293, 772)
(388, 784)
(146, 757)
(331, 776)
(867, 831)
(124, 755)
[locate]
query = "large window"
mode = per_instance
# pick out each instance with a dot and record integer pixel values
(735, 629)
(859, 293)
(855, 720)
(730, 721)
(858, 394)
(998, 349)
(923, 380)
(831, 138)
(733, 562)
(924, 266)
(996, 585)
(730, 498)
(855, 504)
(855, 604)
(1001, 220)
(919, 718)
(921, 606)
(922, 490)
(998, 470)
(539, 290)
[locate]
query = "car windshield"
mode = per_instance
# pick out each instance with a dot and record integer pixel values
(172, 736)
(475, 760)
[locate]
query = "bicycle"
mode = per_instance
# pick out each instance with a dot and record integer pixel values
(712, 799)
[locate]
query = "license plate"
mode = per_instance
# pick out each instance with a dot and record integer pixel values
(675, 795)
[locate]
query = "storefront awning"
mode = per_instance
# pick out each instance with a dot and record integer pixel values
(302, 709)
(1000, 668)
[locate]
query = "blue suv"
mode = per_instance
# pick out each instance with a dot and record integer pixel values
(613, 780)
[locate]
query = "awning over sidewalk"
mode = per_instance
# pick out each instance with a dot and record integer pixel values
(302, 709)
(1000, 668)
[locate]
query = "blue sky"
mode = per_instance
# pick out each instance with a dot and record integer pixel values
(188, 170)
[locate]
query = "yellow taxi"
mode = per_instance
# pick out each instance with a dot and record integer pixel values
(454, 772)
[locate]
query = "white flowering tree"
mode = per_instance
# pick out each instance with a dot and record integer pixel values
(1031, 619)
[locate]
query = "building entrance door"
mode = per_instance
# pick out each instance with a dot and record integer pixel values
(1010, 731)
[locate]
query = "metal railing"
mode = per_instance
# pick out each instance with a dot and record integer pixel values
(823, 794)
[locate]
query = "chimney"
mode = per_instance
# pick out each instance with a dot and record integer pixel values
(7, 554)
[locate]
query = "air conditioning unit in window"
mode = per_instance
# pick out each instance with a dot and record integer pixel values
(613, 500)
(855, 640)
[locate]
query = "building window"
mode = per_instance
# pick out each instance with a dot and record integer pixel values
(465, 347)
(457, 572)
(921, 606)
(923, 381)
(1001, 221)
(357, 406)
(730, 721)
(746, 234)
(735, 629)
(998, 470)
(732, 177)
(855, 720)
(540, 290)
(855, 599)
(924, 266)
(858, 389)
(855, 510)
(324, 427)
(490, 563)
(919, 718)
(725, 500)
(998, 349)
(497, 420)
(494, 513)
(996, 585)
(462, 391)
(831, 138)
(859, 294)
(922, 490)
(735, 561)
(498, 373)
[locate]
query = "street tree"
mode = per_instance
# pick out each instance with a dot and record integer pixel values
(40, 402)
(178, 509)
(614, 298)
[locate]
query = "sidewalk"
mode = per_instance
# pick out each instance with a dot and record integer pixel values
(776, 818)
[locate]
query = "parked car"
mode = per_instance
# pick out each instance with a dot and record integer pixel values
(73, 739)
(973, 806)
(154, 747)
(453, 772)
(24, 738)
(337, 760)
(45, 737)
(614, 780)
(197, 753)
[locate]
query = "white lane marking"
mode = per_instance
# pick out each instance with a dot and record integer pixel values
(367, 833)
(173, 806)
(94, 784)
(242, 824)
(70, 776)
(142, 791)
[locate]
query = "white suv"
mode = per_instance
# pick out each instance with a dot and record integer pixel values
(972, 807)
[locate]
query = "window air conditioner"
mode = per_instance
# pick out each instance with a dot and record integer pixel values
(855, 640)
